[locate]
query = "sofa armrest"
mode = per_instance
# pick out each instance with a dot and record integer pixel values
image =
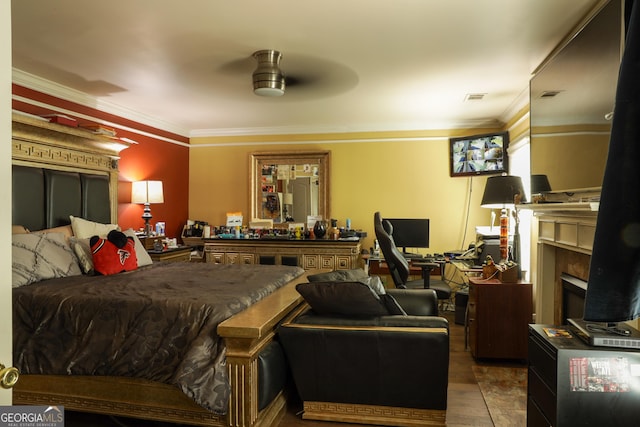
(416, 302)
(313, 320)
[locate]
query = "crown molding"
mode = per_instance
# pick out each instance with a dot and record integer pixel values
(48, 87)
(316, 130)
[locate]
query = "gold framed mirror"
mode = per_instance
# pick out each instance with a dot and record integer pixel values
(289, 186)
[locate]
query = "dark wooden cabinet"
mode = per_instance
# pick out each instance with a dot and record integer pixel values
(148, 242)
(573, 384)
(498, 318)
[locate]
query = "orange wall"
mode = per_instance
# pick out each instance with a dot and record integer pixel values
(152, 158)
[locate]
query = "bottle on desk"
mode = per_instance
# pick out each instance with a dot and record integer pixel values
(334, 233)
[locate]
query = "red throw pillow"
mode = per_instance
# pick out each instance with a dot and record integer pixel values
(110, 259)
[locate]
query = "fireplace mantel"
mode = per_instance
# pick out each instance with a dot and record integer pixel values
(564, 241)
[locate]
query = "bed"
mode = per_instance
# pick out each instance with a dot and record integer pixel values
(229, 346)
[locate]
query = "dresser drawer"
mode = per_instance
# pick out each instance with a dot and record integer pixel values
(543, 362)
(544, 397)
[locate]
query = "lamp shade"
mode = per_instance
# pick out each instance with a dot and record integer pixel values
(147, 192)
(500, 191)
(287, 199)
(540, 184)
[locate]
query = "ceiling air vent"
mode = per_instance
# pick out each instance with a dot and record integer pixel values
(474, 96)
(549, 93)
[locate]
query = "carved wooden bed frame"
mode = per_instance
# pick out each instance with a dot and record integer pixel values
(43, 144)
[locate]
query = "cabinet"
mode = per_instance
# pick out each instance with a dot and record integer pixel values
(308, 254)
(573, 384)
(147, 242)
(498, 318)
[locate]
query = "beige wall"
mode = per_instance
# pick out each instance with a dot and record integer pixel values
(571, 158)
(400, 174)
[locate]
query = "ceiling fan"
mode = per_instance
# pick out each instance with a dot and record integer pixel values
(307, 77)
(268, 79)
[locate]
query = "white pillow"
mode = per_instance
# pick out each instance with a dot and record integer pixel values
(141, 252)
(84, 229)
(37, 257)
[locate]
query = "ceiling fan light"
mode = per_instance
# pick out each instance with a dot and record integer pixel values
(268, 91)
(268, 80)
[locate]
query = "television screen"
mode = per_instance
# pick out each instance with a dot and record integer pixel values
(479, 154)
(410, 232)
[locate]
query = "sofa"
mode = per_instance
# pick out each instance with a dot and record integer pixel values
(362, 354)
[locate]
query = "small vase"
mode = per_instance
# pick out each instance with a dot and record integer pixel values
(320, 229)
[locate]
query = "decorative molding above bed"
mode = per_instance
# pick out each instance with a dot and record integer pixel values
(38, 143)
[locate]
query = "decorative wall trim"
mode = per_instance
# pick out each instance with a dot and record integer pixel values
(372, 414)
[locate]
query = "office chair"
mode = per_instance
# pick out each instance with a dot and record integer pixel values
(399, 266)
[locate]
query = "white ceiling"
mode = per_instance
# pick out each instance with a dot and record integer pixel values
(362, 65)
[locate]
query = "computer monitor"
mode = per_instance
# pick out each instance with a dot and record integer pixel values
(410, 232)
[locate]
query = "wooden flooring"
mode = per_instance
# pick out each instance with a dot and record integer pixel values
(466, 406)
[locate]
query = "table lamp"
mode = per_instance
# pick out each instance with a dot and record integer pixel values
(287, 200)
(505, 192)
(147, 192)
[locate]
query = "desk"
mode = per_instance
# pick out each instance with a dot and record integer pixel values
(379, 266)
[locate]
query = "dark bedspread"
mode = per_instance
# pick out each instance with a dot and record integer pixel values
(157, 323)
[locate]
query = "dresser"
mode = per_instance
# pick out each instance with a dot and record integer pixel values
(308, 254)
(498, 318)
(573, 384)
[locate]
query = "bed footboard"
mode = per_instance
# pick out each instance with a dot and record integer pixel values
(245, 334)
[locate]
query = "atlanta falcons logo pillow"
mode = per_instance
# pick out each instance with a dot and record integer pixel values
(114, 254)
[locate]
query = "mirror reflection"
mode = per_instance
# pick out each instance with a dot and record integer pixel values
(289, 186)
(572, 98)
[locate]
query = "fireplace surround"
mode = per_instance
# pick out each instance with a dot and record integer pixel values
(563, 235)
(564, 240)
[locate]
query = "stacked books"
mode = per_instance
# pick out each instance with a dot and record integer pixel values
(61, 119)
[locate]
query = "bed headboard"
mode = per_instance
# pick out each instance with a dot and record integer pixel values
(44, 198)
(60, 171)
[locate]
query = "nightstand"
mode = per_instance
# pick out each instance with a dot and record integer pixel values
(147, 242)
(179, 254)
(498, 318)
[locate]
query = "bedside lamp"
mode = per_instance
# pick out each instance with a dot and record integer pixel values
(505, 192)
(147, 192)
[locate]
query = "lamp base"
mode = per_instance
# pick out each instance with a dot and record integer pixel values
(146, 216)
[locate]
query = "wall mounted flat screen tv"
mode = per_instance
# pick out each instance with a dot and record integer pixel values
(484, 154)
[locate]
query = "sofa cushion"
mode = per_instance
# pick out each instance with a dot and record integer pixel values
(342, 298)
(354, 275)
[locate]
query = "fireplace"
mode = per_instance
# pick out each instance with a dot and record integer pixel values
(573, 293)
(565, 233)
(564, 244)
